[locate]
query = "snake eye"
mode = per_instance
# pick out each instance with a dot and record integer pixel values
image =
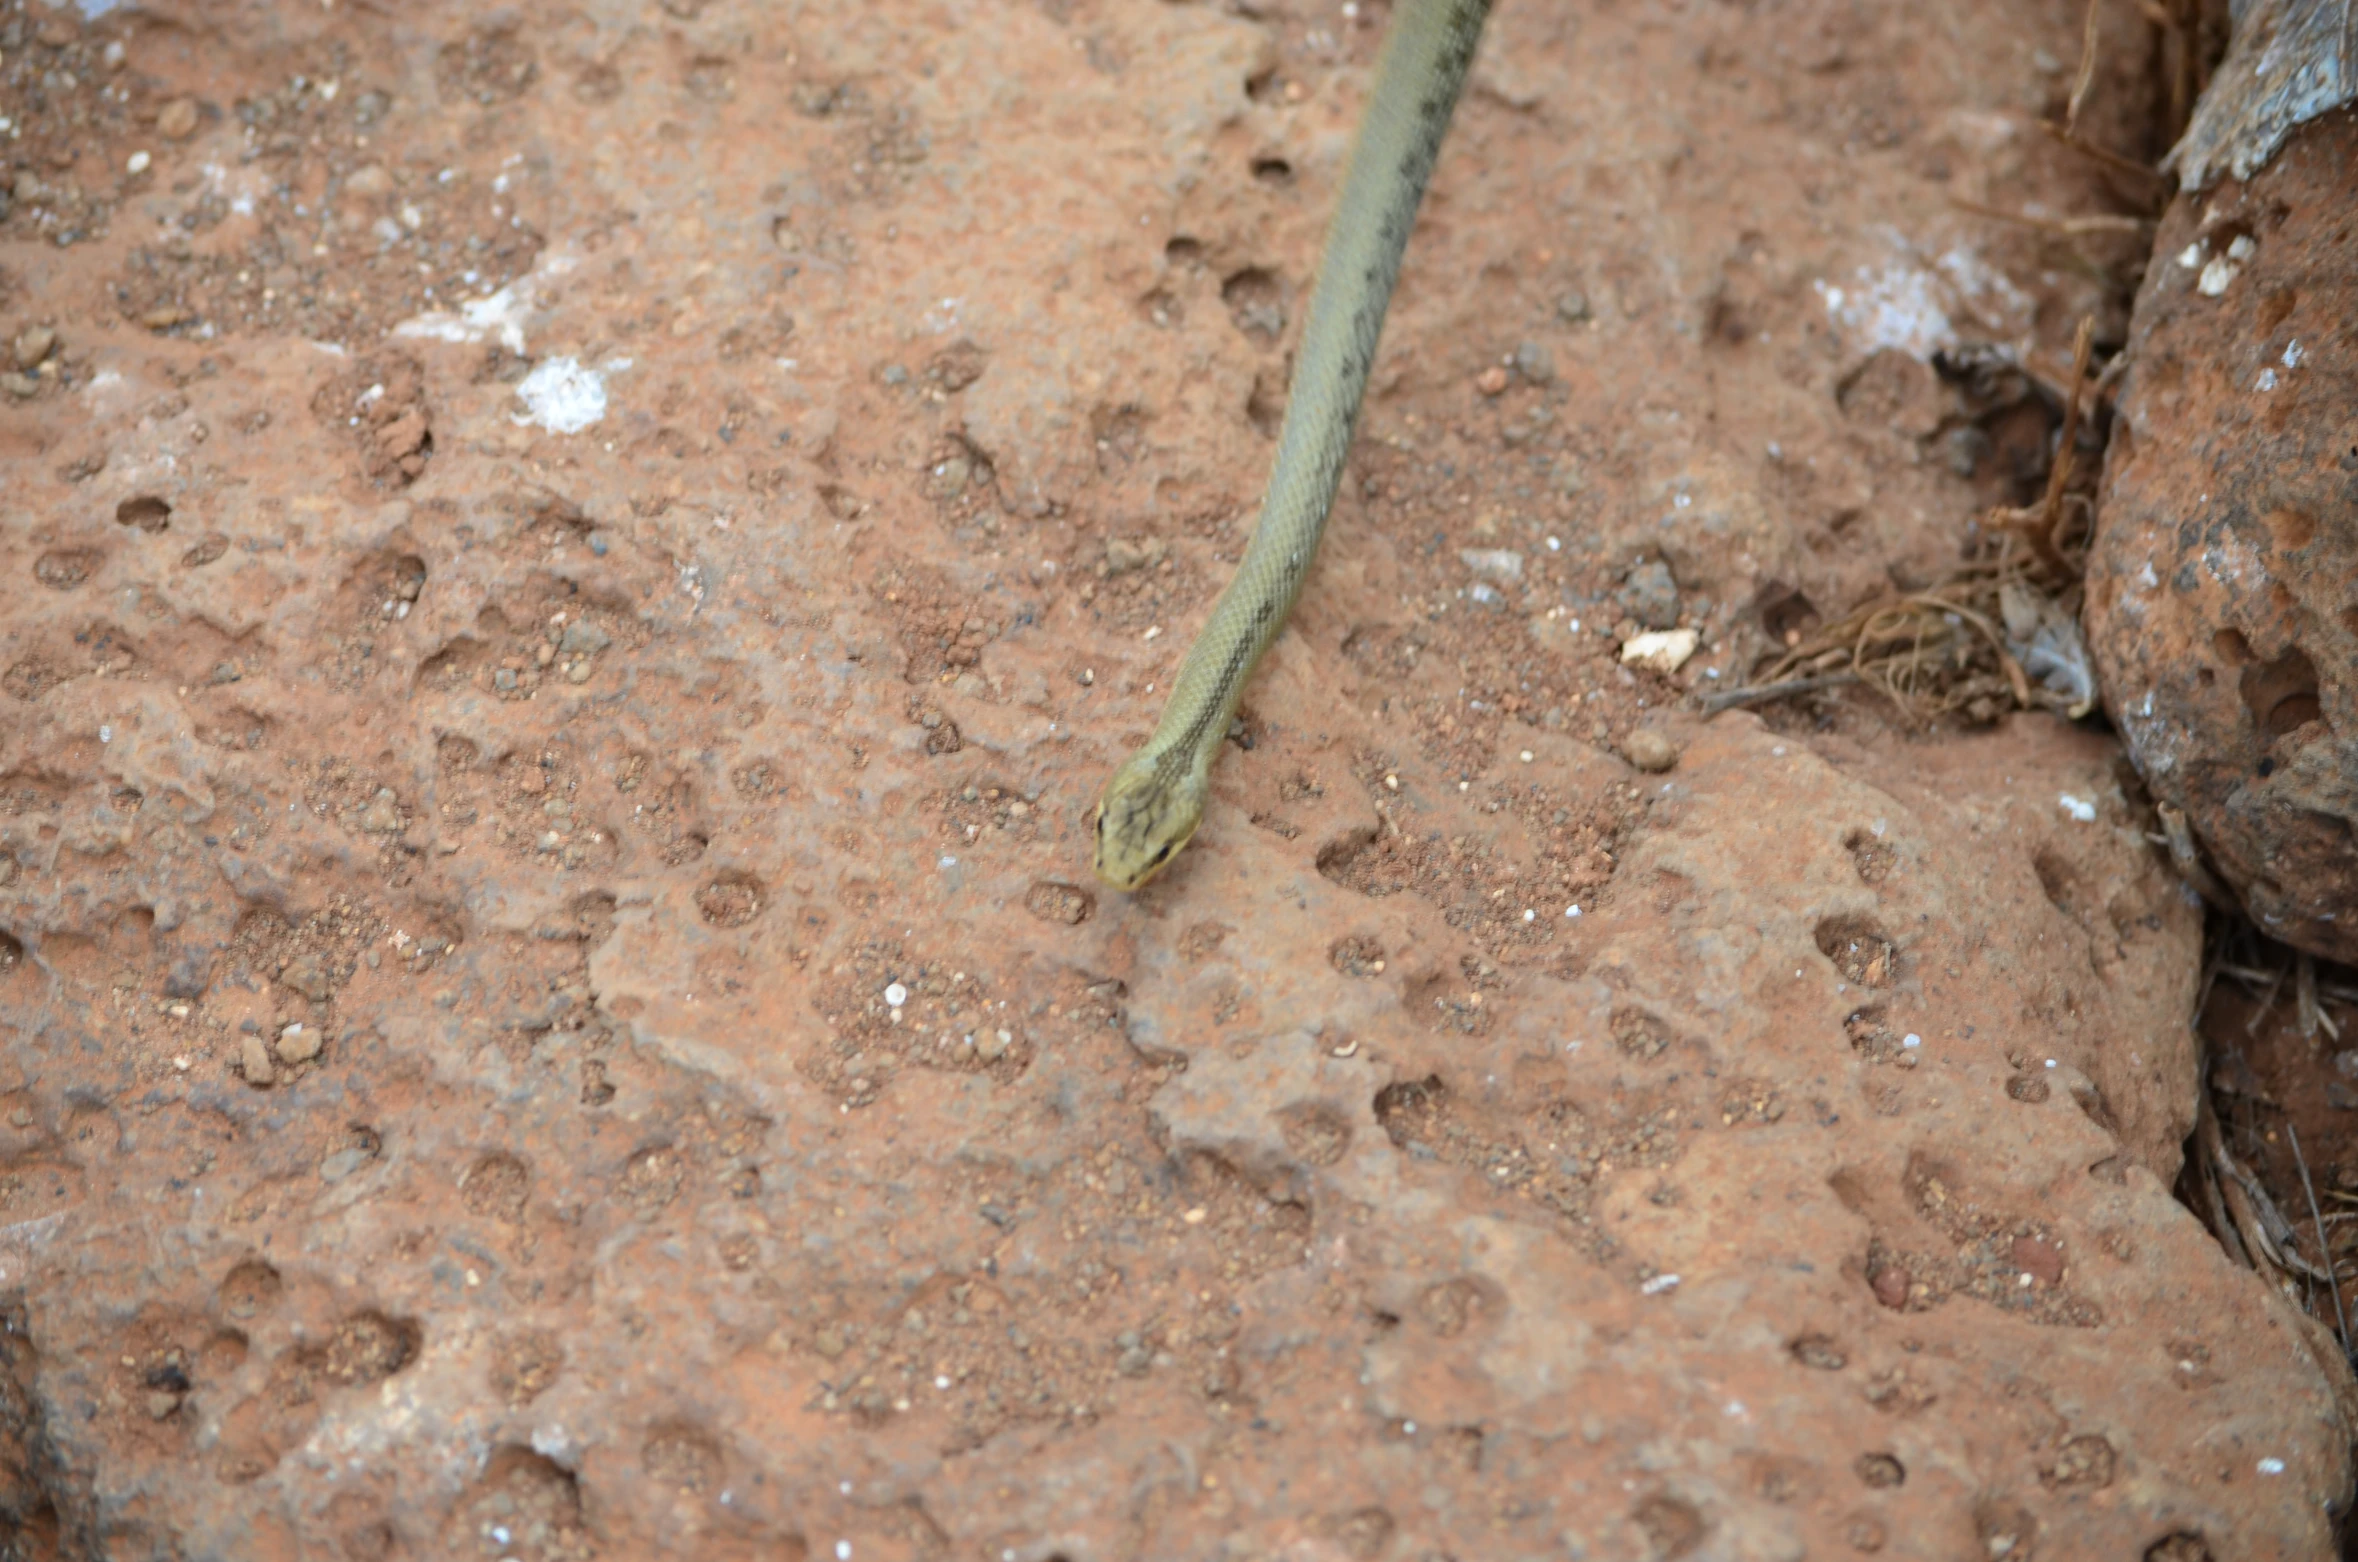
(1162, 853)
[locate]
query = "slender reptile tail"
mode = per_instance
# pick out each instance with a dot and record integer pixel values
(1416, 87)
(1151, 806)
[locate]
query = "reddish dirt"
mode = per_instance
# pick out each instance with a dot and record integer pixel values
(574, 576)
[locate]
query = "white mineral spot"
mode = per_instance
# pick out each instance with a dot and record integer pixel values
(1661, 650)
(563, 396)
(1502, 566)
(896, 995)
(2079, 808)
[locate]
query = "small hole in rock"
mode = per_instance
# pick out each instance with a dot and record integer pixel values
(1256, 302)
(146, 512)
(2282, 695)
(1784, 612)
(732, 900)
(1859, 950)
(1881, 1471)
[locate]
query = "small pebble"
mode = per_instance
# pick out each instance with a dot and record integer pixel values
(254, 1062)
(33, 344)
(298, 1044)
(1504, 566)
(1534, 363)
(1572, 307)
(1491, 380)
(161, 1404)
(177, 120)
(1661, 650)
(137, 163)
(992, 1045)
(369, 183)
(1650, 595)
(583, 638)
(382, 816)
(1649, 751)
(1891, 1286)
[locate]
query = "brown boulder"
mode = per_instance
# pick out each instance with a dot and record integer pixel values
(2223, 590)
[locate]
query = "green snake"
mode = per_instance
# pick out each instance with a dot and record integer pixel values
(1153, 803)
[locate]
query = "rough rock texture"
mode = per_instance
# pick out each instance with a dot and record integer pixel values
(2223, 592)
(573, 576)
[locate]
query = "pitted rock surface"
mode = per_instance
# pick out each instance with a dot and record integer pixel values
(573, 575)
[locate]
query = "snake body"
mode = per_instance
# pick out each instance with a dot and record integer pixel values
(1152, 804)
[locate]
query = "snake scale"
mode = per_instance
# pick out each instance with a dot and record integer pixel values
(1152, 804)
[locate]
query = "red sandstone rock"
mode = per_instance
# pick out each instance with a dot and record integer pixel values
(739, 1128)
(2223, 592)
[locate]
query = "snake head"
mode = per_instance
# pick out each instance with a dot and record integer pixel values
(1147, 814)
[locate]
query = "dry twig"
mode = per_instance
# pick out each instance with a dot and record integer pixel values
(2333, 1279)
(2064, 227)
(1951, 647)
(2306, 1014)
(2087, 72)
